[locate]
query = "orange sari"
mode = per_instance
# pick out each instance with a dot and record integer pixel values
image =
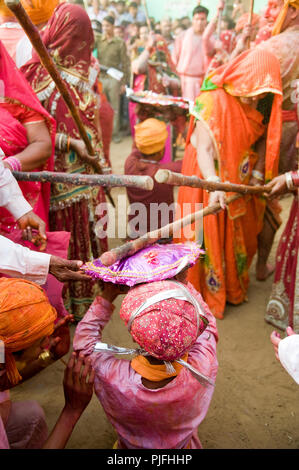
(230, 237)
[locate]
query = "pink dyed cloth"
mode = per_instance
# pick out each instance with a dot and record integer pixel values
(25, 428)
(172, 323)
(191, 61)
(3, 436)
(166, 418)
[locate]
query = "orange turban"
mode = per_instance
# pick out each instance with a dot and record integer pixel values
(39, 11)
(151, 136)
(5, 11)
(244, 20)
(25, 316)
(282, 15)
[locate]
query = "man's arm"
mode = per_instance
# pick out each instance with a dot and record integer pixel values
(11, 196)
(78, 389)
(18, 261)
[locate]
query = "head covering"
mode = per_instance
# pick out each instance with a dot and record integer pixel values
(244, 20)
(168, 328)
(282, 15)
(153, 263)
(252, 73)
(39, 11)
(5, 11)
(165, 319)
(69, 39)
(151, 136)
(25, 316)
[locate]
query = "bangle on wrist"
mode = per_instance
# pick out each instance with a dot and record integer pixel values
(258, 175)
(14, 163)
(295, 178)
(289, 181)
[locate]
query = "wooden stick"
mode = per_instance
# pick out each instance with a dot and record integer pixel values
(147, 16)
(113, 181)
(47, 61)
(250, 19)
(219, 23)
(130, 248)
(177, 179)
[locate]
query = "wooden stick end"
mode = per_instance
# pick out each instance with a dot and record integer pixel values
(162, 176)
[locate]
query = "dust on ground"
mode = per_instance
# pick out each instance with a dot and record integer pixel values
(254, 405)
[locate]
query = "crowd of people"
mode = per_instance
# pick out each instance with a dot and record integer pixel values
(238, 76)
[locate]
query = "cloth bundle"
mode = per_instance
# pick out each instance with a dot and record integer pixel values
(153, 263)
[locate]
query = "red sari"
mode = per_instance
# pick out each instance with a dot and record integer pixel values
(18, 106)
(69, 38)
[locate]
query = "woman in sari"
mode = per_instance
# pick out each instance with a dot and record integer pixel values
(27, 135)
(69, 38)
(240, 107)
(283, 306)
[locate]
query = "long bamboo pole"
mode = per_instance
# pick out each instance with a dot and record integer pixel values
(129, 181)
(250, 19)
(177, 179)
(130, 248)
(148, 21)
(33, 34)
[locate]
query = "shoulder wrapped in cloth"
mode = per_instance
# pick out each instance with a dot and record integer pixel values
(154, 263)
(165, 319)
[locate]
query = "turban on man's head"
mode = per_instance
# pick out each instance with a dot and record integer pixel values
(151, 136)
(244, 20)
(39, 11)
(282, 15)
(25, 316)
(5, 11)
(167, 325)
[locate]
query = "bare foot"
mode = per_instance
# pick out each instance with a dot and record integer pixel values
(263, 272)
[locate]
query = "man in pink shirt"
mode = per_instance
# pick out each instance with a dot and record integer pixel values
(189, 57)
(158, 399)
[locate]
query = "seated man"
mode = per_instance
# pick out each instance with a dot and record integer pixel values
(157, 401)
(150, 140)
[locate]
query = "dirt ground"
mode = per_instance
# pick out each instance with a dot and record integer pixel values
(254, 403)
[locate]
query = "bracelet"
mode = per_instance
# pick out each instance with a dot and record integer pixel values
(295, 178)
(289, 181)
(14, 163)
(258, 175)
(68, 144)
(62, 142)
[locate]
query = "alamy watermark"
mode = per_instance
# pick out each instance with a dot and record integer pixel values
(134, 220)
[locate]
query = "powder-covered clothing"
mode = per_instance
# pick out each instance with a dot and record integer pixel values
(165, 418)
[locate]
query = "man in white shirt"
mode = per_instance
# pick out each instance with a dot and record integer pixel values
(19, 261)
